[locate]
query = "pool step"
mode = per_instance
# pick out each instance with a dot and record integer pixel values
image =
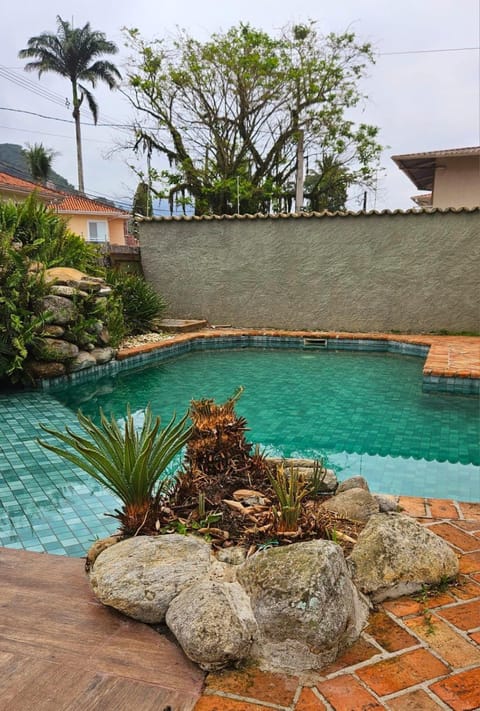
(180, 325)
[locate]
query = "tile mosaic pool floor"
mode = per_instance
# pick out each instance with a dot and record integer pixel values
(45, 506)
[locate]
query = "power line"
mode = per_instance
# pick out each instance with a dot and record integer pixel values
(55, 118)
(24, 83)
(30, 86)
(429, 51)
(55, 135)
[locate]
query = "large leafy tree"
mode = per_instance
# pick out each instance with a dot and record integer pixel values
(39, 161)
(74, 53)
(229, 113)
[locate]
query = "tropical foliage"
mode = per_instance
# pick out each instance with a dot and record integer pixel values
(74, 53)
(128, 462)
(39, 161)
(141, 303)
(19, 290)
(229, 113)
(37, 226)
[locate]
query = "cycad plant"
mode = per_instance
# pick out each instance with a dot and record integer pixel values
(129, 463)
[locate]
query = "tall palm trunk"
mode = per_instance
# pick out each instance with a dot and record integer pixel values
(78, 137)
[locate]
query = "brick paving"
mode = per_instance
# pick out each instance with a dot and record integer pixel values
(419, 653)
(61, 649)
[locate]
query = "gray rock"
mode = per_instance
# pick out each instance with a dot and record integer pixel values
(54, 349)
(42, 369)
(61, 310)
(140, 576)
(82, 361)
(96, 327)
(213, 623)
(386, 502)
(105, 291)
(67, 291)
(354, 504)
(395, 555)
(305, 605)
(233, 556)
(89, 284)
(353, 482)
(103, 338)
(102, 355)
(52, 331)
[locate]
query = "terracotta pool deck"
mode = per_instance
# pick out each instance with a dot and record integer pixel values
(449, 356)
(62, 650)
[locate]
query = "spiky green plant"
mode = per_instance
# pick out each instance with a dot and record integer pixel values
(128, 463)
(290, 491)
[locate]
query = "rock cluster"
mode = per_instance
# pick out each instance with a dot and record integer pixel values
(292, 608)
(74, 336)
(289, 608)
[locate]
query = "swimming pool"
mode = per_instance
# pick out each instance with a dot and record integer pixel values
(365, 412)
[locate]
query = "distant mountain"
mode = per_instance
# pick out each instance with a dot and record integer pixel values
(13, 161)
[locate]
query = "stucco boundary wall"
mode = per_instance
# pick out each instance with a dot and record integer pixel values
(410, 271)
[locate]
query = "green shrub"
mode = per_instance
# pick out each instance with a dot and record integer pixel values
(115, 322)
(141, 303)
(19, 289)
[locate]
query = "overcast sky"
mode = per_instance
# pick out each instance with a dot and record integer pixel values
(421, 100)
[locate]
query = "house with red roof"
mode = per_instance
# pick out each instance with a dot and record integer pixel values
(93, 220)
(451, 176)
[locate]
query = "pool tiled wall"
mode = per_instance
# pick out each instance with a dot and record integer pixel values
(431, 383)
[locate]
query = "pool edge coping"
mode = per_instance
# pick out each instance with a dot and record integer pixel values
(439, 372)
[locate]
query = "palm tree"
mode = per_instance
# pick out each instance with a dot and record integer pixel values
(73, 53)
(39, 161)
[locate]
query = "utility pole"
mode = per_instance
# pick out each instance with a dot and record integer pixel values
(300, 178)
(149, 178)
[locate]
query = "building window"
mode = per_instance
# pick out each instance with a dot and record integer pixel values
(98, 231)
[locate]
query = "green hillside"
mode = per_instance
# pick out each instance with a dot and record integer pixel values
(13, 161)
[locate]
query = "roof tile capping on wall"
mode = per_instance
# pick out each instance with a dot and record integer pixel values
(409, 270)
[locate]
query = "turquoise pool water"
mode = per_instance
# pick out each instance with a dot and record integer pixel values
(365, 412)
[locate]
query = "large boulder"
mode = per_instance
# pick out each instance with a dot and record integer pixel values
(213, 623)
(140, 576)
(44, 369)
(395, 555)
(64, 275)
(54, 349)
(305, 605)
(356, 504)
(60, 309)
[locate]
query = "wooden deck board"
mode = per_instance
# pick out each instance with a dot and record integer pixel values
(61, 649)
